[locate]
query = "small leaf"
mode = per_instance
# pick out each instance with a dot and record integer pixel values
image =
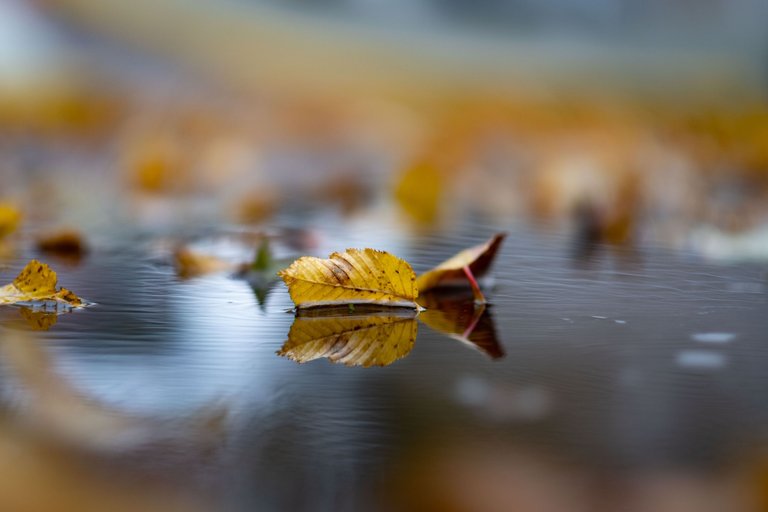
(9, 219)
(458, 317)
(190, 263)
(263, 259)
(66, 243)
(463, 268)
(356, 276)
(37, 283)
(419, 192)
(354, 340)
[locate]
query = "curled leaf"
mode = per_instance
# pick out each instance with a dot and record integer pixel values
(35, 284)
(463, 268)
(353, 340)
(357, 276)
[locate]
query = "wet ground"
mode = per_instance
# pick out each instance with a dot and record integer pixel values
(613, 378)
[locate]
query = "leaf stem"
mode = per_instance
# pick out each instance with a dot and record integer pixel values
(479, 297)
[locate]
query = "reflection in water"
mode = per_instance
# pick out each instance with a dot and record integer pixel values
(38, 320)
(455, 313)
(354, 339)
(375, 337)
(262, 284)
(54, 407)
(65, 451)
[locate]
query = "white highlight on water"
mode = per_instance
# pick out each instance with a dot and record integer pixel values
(701, 359)
(713, 337)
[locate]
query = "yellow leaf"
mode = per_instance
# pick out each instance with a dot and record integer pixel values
(458, 317)
(357, 276)
(419, 192)
(190, 263)
(354, 340)
(9, 219)
(37, 283)
(463, 268)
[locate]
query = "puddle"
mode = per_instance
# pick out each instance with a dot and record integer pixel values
(155, 349)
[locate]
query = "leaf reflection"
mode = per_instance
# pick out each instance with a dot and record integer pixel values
(458, 316)
(353, 338)
(39, 320)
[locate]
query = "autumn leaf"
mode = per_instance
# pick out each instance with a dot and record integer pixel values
(9, 219)
(66, 243)
(35, 284)
(357, 276)
(191, 263)
(373, 339)
(419, 191)
(460, 318)
(463, 268)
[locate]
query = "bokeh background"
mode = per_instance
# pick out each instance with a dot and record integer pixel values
(647, 120)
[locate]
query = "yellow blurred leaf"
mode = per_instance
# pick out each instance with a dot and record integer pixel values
(463, 268)
(190, 263)
(354, 340)
(37, 283)
(357, 276)
(10, 218)
(458, 317)
(419, 191)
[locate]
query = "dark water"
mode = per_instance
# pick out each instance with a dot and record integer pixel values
(623, 373)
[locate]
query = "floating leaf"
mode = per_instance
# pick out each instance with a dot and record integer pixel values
(190, 263)
(351, 339)
(257, 206)
(35, 284)
(66, 243)
(463, 268)
(419, 191)
(9, 219)
(462, 319)
(357, 276)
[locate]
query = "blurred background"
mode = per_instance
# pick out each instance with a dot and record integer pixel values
(645, 119)
(623, 145)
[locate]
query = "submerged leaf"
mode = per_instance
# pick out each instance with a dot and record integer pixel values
(353, 340)
(463, 268)
(37, 283)
(460, 318)
(357, 276)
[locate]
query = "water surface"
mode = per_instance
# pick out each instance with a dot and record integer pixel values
(633, 369)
